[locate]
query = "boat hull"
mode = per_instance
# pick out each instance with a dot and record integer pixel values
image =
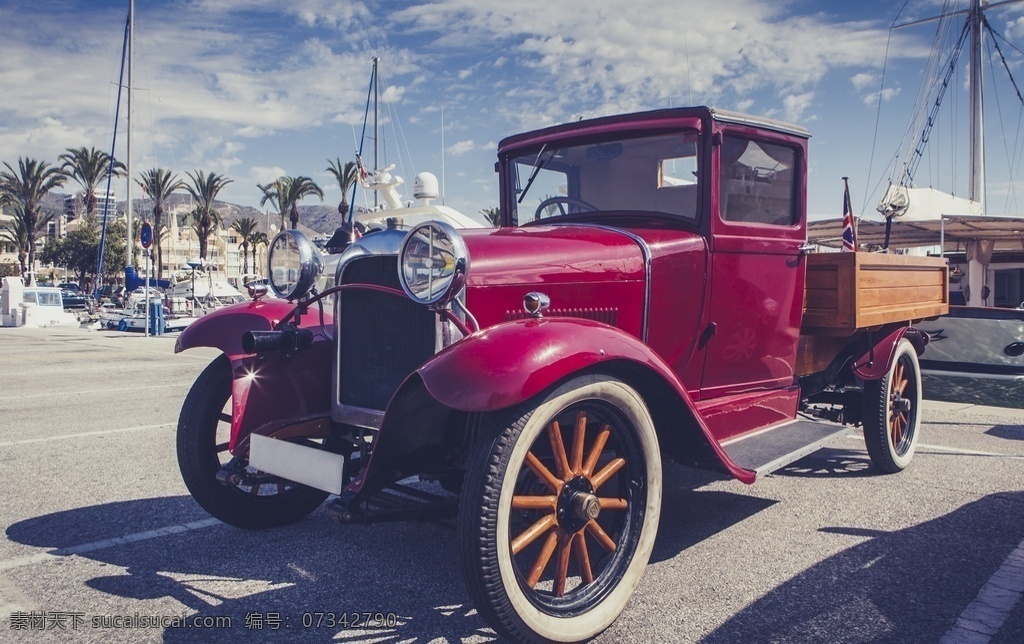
(975, 341)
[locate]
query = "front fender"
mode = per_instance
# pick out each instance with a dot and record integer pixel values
(222, 329)
(512, 362)
(269, 390)
(506, 364)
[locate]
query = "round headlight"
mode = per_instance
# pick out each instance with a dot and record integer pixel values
(433, 263)
(294, 264)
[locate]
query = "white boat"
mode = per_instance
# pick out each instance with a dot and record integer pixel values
(43, 306)
(983, 334)
(200, 294)
(391, 210)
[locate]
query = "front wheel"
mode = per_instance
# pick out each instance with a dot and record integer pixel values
(892, 411)
(560, 510)
(203, 432)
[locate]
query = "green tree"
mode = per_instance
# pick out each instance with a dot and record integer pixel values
(346, 176)
(245, 226)
(297, 189)
(25, 188)
(77, 249)
(275, 193)
(204, 224)
(257, 239)
(14, 231)
(204, 189)
(159, 184)
(88, 167)
(492, 215)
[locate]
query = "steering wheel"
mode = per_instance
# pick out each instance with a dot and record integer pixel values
(562, 202)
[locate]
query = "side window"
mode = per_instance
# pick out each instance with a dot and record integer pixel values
(757, 182)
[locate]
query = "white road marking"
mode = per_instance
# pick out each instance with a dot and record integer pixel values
(105, 390)
(984, 616)
(954, 450)
(40, 557)
(965, 452)
(102, 432)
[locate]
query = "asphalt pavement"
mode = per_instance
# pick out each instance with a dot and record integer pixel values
(102, 543)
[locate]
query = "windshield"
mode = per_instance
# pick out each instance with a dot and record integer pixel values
(645, 174)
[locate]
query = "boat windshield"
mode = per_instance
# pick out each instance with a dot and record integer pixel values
(656, 173)
(43, 298)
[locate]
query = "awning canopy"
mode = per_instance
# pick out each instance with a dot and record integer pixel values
(954, 230)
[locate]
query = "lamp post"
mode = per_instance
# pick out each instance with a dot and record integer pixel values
(194, 266)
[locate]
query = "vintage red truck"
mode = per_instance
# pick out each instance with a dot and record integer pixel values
(649, 295)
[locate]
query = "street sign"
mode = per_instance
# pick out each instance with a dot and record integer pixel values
(146, 235)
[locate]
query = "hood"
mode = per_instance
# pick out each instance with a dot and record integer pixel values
(537, 255)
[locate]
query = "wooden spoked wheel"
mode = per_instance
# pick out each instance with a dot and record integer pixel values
(899, 408)
(559, 511)
(892, 411)
(583, 486)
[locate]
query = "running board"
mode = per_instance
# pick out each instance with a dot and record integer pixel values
(771, 449)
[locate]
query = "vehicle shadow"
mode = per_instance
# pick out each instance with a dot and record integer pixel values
(900, 586)
(690, 515)
(304, 578)
(1008, 432)
(301, 578)
(831, 462)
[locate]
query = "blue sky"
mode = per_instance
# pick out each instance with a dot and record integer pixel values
(254, 89)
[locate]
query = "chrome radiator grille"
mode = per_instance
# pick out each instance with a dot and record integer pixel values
(382, 337)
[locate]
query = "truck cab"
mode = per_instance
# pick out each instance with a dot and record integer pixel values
(648, 295)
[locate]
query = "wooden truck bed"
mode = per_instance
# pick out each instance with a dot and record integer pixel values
(846, 293)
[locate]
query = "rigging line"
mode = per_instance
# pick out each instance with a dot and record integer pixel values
(928, 79)
(1011, 192)
(110, 167)
(399, 131)
(1002, 58)
(896, 165)
(918, 151)
(878, 116)
(878, 112)
(999, 114)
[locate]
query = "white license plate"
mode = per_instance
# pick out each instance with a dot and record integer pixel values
(307, 465)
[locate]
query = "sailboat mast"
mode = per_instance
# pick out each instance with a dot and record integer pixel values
(376, 123)
(128, 165)
(976, 176)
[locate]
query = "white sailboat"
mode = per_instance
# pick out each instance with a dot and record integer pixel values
(983, 334)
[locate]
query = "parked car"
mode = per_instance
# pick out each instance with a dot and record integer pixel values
(75, 300)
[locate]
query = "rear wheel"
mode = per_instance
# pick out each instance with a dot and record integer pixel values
(560, 510)
(892, 411)
(203, 432)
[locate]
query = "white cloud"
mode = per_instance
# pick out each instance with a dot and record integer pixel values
(886, 95)
(460, 148)
(863, 80)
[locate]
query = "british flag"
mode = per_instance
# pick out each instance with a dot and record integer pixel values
(849, 234)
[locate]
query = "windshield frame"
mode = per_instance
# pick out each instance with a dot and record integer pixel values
(548, 155)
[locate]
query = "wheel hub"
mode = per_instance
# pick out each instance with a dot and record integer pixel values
(577, 505)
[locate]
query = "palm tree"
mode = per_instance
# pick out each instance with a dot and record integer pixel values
(25, 188)
(346, 176)
(204, 223)
(492, 215)
(257, 239)
(245, 226)
(204, 189)
(88, 167)
(275, 193)
(158, 184)
(14, 231)
(297, 188)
